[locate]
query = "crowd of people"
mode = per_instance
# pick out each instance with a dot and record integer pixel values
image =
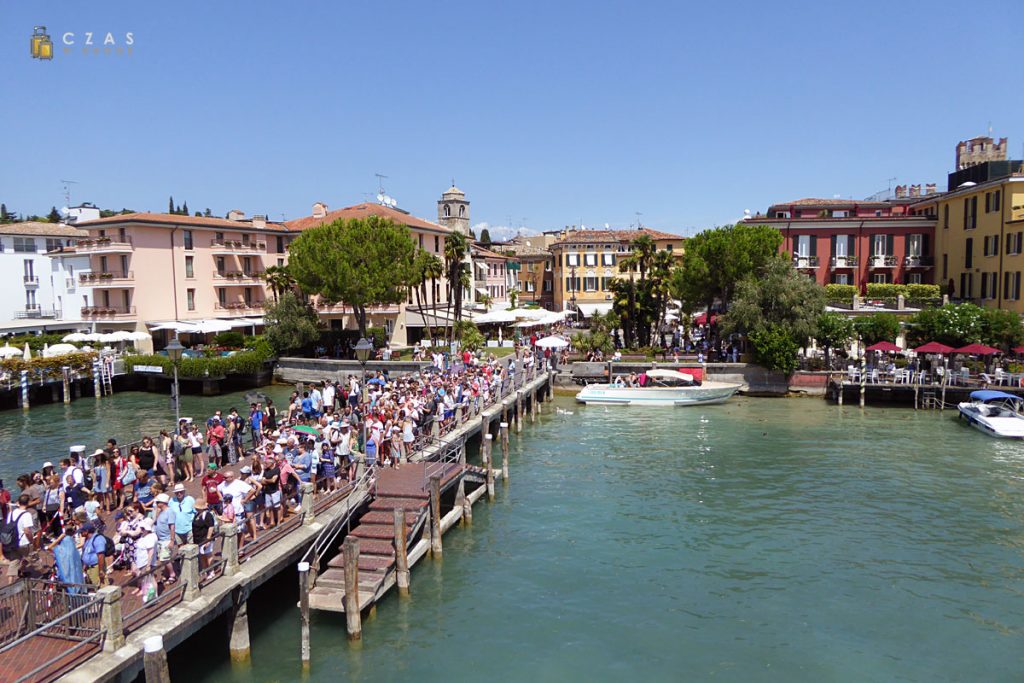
(129, 507)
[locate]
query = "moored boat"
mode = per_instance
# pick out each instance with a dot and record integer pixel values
(995, 413)
(664, 388)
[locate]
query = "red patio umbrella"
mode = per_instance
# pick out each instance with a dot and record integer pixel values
(1019, 350)
(702, 319)
(887, 346)
(934, 347)
(977, 350)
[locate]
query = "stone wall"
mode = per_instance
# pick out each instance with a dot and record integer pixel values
(317, 369)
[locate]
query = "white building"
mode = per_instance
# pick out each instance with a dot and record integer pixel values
(39, 273)
(80, 214)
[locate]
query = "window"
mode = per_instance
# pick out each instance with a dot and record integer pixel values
(945, 216)
(988, 288)
(988, 202)
(841, 278)
(462, 211)
(969, 252)
(1007, 284)
(945, 266)
(247, 294)
(280, 244)
(782, 214)
(247, 265)
(547, 266)
(53, 244)
(997, 200)
(530, 287)
(572, 259)
(803, 246)
(840, 247)
(437, 244)
(839, 213)
(915, 245)
(447, 210)
(218, 237)
(280, 263)
(187, 237)
(668, 247)
(30, 298)
(572, 284)
(245, 238)
(914, 279)
(190, 299)
(882, 245)
(219, 260)
(189, 266)
(590, 259)
(990, 245)
(606, 284)
(547, 286)
(880, 278)
(103, 264)
(608, 259)
(971, 213)
(590, 284)
(24, 244)
(222, 296)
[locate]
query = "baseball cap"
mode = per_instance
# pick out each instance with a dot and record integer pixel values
(162, 498)
(212, 466)
(246, 470)
(87, 528)
(179, 488)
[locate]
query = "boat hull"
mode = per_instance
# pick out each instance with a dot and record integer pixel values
(999, 427)
(708, 393)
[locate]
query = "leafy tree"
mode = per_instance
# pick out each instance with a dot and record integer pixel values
(833, 330)
(206, 212)
(513, 297)
(54, 215)
(775, 348)
(779, 297)
(717, 260)
(485, 237)
(291, 323)
(1001, 328)
(361, 262)
(953, 324)
(877, 327)
(470, 335)
(170, 204)
(486, 300)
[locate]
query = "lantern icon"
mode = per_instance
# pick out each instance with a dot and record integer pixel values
(42, 46)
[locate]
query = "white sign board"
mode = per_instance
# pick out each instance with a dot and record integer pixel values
(149, 368)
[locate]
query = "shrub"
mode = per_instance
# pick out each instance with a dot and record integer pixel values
(378, 335)
(840, 292)
(885, 291)
(49, 367)
(924, 291)
(230, 339)
(243, 363)
(775, 349)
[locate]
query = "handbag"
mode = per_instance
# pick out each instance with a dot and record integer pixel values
(128, 474)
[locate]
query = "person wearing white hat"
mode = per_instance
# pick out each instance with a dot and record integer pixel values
(164, 528)
(184, 508)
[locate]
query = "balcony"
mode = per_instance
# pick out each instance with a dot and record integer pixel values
(30, 281)
(107, 280)
(237, 247)
(805, 262)
(104, 245)
(882, 262)
(844, 261)
(108, 312)
(230, 277)
(919, 261)
(37, 311)
(239, 306)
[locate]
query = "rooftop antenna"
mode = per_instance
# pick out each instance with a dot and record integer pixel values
(67, 191)
(380, 182)
(638, 223)
(891, 181)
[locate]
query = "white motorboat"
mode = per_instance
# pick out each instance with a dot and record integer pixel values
(995, 413)
(664, 388)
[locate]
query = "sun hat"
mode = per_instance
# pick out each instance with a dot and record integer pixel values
(246, 470)
(179, 488)
(162, 498)
(47, 464)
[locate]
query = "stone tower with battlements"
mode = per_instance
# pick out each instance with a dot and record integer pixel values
(979, 150)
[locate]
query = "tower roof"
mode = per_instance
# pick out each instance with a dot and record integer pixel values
(454, 191)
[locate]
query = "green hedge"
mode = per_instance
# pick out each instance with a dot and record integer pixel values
(886, 291)
(242, 363)
(840, 292)
(924, 291)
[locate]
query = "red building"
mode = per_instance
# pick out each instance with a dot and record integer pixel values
(856, 242)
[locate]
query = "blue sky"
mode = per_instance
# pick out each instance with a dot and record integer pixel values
(545, 113)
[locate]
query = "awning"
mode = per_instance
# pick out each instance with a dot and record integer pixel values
(481, 266)
(590, 309)
(482, 291)
(244, 322)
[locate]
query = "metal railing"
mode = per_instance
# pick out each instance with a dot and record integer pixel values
(137, 610)
(329, 535)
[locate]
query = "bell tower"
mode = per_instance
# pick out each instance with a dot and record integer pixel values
(453, 210)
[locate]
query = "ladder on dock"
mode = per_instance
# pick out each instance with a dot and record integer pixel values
(106, 379)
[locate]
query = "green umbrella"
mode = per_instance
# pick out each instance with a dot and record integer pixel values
(312, 431)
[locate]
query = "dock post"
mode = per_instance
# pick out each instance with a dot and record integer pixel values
(304, 611)
(461, 500)
(97, 388)
(863, 373)
(945, 381)
(435, 515)
(308, 513)
(24, 390)
(190, 571)
(842, 385)
(353, 619)
(551, 383)
(504, 451)
(110, 618)
(519, 411)
(488, 440)
(401, 552)
(458, 415)
(66, 372)
(229, 548)
(239, 643)
(533, 405)
(154, 660)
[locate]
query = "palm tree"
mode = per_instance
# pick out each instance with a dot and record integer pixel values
(454, 251)
(432, 269)
(279, 280)
(486, 300)
(661, 278)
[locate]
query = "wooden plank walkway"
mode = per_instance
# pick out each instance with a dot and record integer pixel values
(406, 488)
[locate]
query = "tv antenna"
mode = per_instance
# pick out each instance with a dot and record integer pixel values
(380, 182)
(67, 191)
(638, 223)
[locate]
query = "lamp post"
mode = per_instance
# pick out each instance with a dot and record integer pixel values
(174, 350)
(572, 281)
(363, 348)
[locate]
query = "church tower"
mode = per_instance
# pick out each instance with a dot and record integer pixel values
(453, 210)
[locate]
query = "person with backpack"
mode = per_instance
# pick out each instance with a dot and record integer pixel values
(95, 552)
(17, 534)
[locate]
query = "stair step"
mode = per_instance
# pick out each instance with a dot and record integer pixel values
(380, 531)
(369, 563)
(389, 503)
(335, 578)
(375, 546)
(387, 517)
(333, 600)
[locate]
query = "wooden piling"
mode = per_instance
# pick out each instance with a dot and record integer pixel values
(304, 611)
(863, 374)
(504, 451)
(401, 552)
(489, 473)
(154, 660)
(435, 515)
(533, 407)
(353, 619)
(239, 645)
(519, 411)
(66, 372)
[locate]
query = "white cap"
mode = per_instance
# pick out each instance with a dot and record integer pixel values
(77, 449)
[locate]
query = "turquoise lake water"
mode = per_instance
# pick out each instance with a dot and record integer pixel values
(765, 539)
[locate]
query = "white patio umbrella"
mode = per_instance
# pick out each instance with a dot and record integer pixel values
(121, 336)
(59, 350)
(552, 342)
(78, 337)
(141, 336)
(496, 317)
(27, 353)
(9, 351)
(94, 337)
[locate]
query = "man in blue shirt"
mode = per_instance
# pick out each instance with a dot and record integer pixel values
(307, 405)
(94, 559)
(303, 463)
(256, 423)
(164, 529)
(184, 508)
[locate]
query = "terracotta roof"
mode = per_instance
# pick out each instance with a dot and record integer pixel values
(362, 211)
(901, 218)
(521, 250)
(487, 253)
(171, 219)
(810, 201)
(31, 228)
(589, 236)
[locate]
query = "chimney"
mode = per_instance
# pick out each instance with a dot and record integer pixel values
(236, 215)
(901, 191)
(915, 190)
(319, 210)
(259, 222)
(929, 188)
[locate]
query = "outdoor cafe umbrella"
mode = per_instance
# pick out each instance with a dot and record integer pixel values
(977, 350)
(10, 351)
(553, 342)
(934, 347)
(886, 346)
(75, 337)
(305, 429)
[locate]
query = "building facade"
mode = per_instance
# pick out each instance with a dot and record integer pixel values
(490, 275)
(586, 261)
(852, 242)
(532, 265)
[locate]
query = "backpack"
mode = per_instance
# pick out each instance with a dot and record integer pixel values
(9, 534)
(108, 546)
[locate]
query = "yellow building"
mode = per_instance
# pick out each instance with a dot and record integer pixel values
(979, 235)
(586, 261)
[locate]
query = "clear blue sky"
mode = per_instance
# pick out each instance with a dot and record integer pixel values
(552, 112)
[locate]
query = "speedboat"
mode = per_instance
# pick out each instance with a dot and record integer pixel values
(995, 413)
(664, 388)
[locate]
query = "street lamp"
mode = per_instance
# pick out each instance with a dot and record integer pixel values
(363, 349)
(174, 350)
(572, 281)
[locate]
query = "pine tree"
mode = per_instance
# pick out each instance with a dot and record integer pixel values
(485, 236)
(4, 216)
(207, 213)
(170, 204)
(177, 210)
(184, 209)
(54, 215)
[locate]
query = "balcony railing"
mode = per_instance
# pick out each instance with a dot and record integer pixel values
(919, 261)
(239, 275)
(239, 306)
(104, 245)
(883, 262)
(37, 311)
(108, 311)
(31, 280)
(237, 246)
(106, 278)
(805, 261)
(844, 261)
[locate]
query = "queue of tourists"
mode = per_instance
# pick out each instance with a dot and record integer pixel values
(119, 513)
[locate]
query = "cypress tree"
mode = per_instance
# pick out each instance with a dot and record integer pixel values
(170, 204)
(184, 209)
(54, 215)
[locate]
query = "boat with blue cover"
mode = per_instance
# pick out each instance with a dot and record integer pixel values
(995, 413)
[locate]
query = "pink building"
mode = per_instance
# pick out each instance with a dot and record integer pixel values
(490, 275)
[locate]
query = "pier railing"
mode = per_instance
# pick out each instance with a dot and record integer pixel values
(367, 480)
(137, 610)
